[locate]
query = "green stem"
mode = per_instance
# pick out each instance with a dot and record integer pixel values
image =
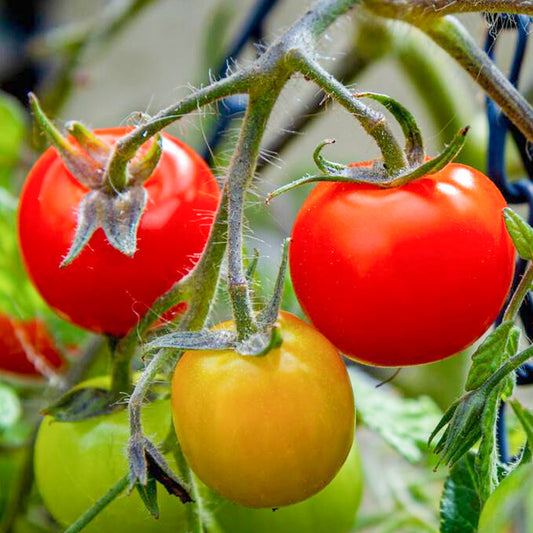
(447, 109)
(424, 10)
(241, 172)
(121, 373)
(349, 67)
(450, 35)
(445, 7)
(372, 121)
(509, 366)
(127, 146)
(202, 282)
(99, 506)
(513, 307)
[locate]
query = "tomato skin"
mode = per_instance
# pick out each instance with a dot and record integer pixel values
(332, 510)
(103, 290)
(403, 276)
(265, 431)
(14, 359)
(76, 463)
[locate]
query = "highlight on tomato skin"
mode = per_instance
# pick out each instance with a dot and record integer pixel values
(27, 348)
(403, 276)
(265, 431)
(116, 290)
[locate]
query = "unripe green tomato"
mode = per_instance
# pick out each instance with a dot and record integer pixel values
(76, 463)
(509, 509)
(332, 510)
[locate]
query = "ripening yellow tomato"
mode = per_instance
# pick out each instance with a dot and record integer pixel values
(265, 431)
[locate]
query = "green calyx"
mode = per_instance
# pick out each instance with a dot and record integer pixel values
(115, 205)
(377, 173)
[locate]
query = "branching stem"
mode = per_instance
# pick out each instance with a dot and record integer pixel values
(372, 121)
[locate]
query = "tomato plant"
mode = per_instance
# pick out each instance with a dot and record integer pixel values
(406, 275)
(270, 430)
(77, 462)
(25, 346)
(332, 510)
(102, 289)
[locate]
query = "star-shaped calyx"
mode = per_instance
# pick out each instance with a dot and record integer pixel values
(115, 209)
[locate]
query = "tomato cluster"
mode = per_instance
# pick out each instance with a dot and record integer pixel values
(77, 462)
(390, 277)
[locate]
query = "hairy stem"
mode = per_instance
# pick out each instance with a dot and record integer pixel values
(201, 283)
(117, 489)
(372, 121)
(447, 7)
(450, 35)
(241, 172)
(127, 146)
(121, 373)
(519, 294)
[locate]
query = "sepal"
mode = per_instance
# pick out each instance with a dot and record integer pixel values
(141, 168)
(118, 215)
(95, 147)
(414, 144)
(86, 170)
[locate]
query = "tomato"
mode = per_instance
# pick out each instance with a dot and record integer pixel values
(76, 463)
(509, 508)
(102, 289)
(332, 510)
(26, 348)
(265, 431)
(403, 276)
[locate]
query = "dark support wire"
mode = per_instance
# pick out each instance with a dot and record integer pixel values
(515, 193)
(252, 30)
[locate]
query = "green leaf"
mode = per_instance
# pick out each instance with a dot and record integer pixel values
(507, 385)
(10, 407)
(463, 429)
(80, 404)
(487, 457)
(521, 233)
(492, 353)
(510, 508)
(460, 505)
(405, 424)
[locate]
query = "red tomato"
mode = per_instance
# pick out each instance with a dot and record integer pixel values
(403, 276)
(102, 289)
(26, 348)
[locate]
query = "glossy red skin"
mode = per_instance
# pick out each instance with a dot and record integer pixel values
(13, 355)
(103, 290)
(404, 276)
